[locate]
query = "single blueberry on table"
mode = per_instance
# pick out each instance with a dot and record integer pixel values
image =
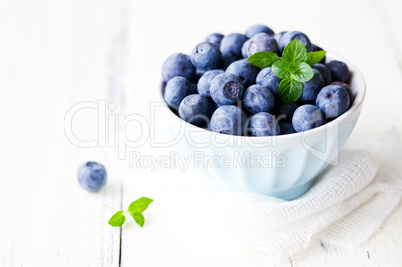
(264, 124)
(307, 117)
(286, 111)
(91, 176)
(229, 119)
(196, 109)
(214, 38)
(317, 48)
(339, 71)
(256, 29)
(326, 74)
(178, 65)
(176, 90)
(294, 35)
(243, 69)
(244, 48)
(257, 99)
(226, 89)
(232, 44)
(227, 59)
(333, 101)
(312, 87)
(347, 88)
(204, 83)
(267, 79)
(206, 56)
(262, 42)
(286, 128)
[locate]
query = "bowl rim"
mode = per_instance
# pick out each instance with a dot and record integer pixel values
(360, 95)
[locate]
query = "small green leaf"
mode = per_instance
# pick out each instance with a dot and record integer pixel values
(315, 57)
(117, 219)
(263, 59)
(139, 218)
(139, 205)
(290, 90)
(281, 69)
(295, 51)
(301, 71)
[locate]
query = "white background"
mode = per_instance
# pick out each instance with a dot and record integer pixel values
(54, 54)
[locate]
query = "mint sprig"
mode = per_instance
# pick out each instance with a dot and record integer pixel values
(135, 209)
(294, 68)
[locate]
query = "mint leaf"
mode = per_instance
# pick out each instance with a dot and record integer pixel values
(301, 71)
(290, 90)
(295, 51)
(139, 205)
(315, 57)
(139, 218)
(263, 59)
(117, 219)
(281, 69)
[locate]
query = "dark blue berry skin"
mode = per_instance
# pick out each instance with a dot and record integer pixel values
(196, 109)
(204, 83)
(348, 90)
(278, 36)
(176, 90)
(227, 59)
(286, 128)
(178, 65)
(214, 38)
(290, 36)
(286, 111)
(339, 71)
(257, 99)
(262, 42)
(232, 44)
(324, 72)
(333, 101)
(312, 87)
(256, 29)
(244, 48)
(317, 48)
(229, 119)
(307, 117)
(91, 176)
(267, 79)
(206, 56)
(264, 124)
(244, 70)
(226, 89)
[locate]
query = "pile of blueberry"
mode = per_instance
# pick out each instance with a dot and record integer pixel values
(219, 89)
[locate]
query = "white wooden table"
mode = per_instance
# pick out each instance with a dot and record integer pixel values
(55, 54)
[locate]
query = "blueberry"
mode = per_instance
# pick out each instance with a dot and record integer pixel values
(204, 83)
(92, 176)
(244, 48)
(244, 70)
(324, 72)
(295, 35)
(286, 128)
(307, 117)
(312, 87)
(264, 124)
(333, 101)
(229, 119)
(339, 71)
(195, 109)
(286, 111)
(232, 44)
(262, 42)
(267, 79)
(206, 56)
(227, 59)
(255, 29)
(214, 38)
(278, 36)
(257, 98)
(178, 65)
(226, 89)
(317, 48)
(347, 88)
(176, 90)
